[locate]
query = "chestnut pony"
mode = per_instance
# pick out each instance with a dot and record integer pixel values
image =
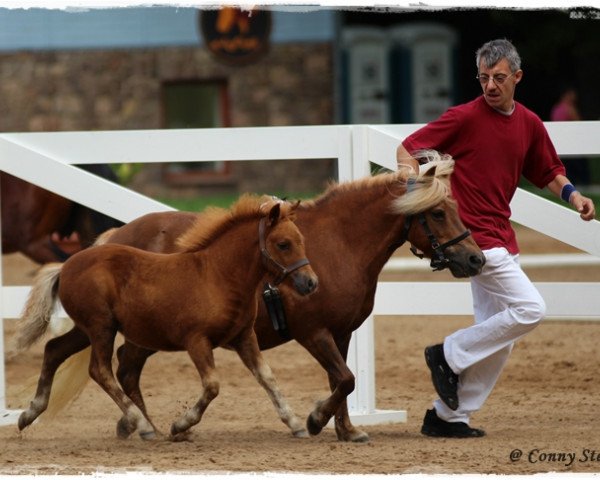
(198, 299)
(351, 231)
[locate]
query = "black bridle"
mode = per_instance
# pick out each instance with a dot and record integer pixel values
(271, 294)
(282, 271)
(439, 261)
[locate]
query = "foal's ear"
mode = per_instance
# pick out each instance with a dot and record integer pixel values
(274, 214)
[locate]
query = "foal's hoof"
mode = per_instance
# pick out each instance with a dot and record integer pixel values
(302, 433)
(23, 421)
(125, 427)
(148, 435)
(312, 426)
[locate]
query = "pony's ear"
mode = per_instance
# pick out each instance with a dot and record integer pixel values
(430, 173)
(274, 214)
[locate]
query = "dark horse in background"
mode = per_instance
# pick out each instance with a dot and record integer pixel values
(45, 226)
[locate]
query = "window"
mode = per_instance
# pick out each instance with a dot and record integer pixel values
(195, 104)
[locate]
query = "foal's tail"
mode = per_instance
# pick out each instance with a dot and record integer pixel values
(39, 306)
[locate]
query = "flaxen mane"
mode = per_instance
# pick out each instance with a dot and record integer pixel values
(422, 191)
(214, 221)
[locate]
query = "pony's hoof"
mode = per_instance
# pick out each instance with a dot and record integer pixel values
(301, 433)
(312, 426)
(125, 428)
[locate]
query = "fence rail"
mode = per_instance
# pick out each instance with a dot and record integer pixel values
(45, 159)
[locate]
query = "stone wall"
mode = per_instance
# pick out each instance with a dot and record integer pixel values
(121, 90)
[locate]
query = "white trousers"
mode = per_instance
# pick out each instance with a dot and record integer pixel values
(506, 306)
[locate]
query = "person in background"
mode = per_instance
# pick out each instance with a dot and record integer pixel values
(565, 110)
(493, 140)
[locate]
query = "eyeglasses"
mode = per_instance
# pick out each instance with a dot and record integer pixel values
(498, 79)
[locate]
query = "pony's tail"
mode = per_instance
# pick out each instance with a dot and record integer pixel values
(39, 306)
(69, 380)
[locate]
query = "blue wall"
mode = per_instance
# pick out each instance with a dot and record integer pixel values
(43, 29)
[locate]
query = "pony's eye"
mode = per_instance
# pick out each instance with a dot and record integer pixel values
(438, 214)
(283, 246)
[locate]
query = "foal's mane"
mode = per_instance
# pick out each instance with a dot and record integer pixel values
(214, 221)
(419, 192)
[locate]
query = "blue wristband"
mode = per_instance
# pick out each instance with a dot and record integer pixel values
(566, 192)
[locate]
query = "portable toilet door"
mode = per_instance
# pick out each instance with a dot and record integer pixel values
(423, 65)
(365, 75)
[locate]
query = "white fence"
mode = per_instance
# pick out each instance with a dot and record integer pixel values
(44, 159)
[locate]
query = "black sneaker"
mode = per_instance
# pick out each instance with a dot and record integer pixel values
(444, 379)
(433, 426)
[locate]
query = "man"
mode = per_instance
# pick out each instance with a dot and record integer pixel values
(493, 140)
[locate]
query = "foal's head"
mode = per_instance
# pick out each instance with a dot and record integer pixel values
(441, 234)
(280, 243)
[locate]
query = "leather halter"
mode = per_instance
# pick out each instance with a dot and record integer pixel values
(439, 261)
(282, 271)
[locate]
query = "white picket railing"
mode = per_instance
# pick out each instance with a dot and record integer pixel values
(45, 159)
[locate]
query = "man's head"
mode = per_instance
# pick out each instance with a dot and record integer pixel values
(499, 71)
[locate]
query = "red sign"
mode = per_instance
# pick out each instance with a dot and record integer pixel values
(236, 36)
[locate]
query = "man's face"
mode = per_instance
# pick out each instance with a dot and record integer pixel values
(499, 89)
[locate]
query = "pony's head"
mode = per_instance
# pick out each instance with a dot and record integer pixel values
(427, 200)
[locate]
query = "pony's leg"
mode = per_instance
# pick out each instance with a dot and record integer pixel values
(201, 353)
(325, 350)
(248, 350)
(56, 352)
(346, 432)
(101, 372)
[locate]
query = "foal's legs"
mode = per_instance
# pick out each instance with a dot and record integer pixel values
(101, 372)
(131, 363)
(56, 352)
(201, 353)
(341, 379)
(247, 348)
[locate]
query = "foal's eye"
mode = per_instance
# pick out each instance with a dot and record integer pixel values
(283, 246)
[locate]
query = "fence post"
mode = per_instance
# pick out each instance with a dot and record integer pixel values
(361, 353)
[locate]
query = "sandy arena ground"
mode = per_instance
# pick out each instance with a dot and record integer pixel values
(542, 411)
